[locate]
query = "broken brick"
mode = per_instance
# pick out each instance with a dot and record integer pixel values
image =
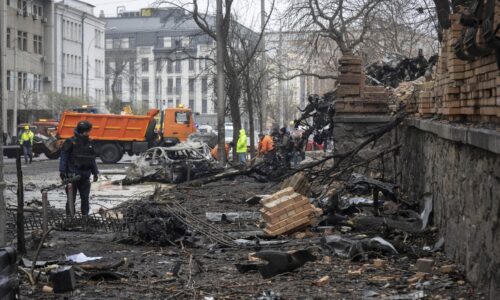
(379, 263)
(448, 269)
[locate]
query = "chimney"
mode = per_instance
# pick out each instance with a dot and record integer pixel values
(101, 14)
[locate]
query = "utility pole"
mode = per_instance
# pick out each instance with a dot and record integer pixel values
(263, 82)
(221, 96)
(87, 83)
(280, 84)
(16, 94)
(3, 114)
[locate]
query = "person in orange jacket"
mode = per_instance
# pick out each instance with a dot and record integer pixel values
(215, 151)
(266, 144)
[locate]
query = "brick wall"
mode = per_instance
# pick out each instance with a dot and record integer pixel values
(462, 90)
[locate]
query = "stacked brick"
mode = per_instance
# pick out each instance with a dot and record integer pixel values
(463, 90)
(352, 94)
(298, 183)
(287, 211)
(351, 79)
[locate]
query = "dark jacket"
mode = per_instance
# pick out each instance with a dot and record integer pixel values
(78, 157)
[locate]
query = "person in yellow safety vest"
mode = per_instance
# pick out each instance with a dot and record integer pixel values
(241, 146)
(26, 142)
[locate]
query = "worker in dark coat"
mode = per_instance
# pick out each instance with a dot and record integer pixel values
(77, 163)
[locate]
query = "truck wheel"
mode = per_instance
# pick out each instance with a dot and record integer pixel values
(110, 153)
(53, 155)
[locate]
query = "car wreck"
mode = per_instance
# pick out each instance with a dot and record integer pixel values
(184, 161)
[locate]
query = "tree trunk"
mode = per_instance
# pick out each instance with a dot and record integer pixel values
(251, 125)
(221, 97)
(234, 108)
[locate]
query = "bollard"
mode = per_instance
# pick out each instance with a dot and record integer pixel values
(45, 207)
(71, 201)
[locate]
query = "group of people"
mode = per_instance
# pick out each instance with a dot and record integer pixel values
(78, 157)
(281, 142)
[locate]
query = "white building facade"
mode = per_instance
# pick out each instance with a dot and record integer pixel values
(80, 52)
(158, 58)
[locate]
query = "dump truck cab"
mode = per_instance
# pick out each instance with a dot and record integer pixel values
(176, 125)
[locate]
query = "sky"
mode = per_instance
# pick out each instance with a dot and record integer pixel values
(248, 11)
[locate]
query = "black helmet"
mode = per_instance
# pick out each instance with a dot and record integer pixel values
(83, 126)
(261, 135)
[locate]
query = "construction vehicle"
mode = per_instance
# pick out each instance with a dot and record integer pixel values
(114, 135)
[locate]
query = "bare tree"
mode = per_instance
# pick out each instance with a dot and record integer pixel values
(234, 38)
(346, 22)
(401, 27)
(27, 98)
(58, 103)
(116, 73)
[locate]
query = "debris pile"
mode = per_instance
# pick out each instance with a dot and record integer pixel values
(396, 68)
(287, 211)
(298, 182)
(148, 223)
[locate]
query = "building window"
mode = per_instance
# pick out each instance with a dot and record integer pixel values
(8, 38)
(25, 8)
(170, 103)
(145, 65)
(131, 66)
(98, 38)
(191, 85)
(37, 44)
(204, 106)
(170, 86)
(167, 42)
(169, 66)
(178, 87)
(9, 87)
(191, 64)
(204, 86)
(191, 105)
(98, 68)
(132, 85)
(157, 87)
(21, 81)
(37, 10)
(145, 88)
(177, 102)
(37, 82)
(119, 86)
(22, 40)
(178, 66)
(158, 65)
(117, 43)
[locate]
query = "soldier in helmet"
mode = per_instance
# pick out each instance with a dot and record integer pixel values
(78, 159)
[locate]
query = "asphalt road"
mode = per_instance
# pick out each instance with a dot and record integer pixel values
(43, 166)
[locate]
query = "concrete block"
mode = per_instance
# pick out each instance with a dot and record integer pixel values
(425, 265)
(63, 280)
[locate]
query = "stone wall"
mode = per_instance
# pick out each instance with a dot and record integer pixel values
(351, 130)
(460, 167)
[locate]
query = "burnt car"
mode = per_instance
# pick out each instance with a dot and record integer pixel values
(174, 164)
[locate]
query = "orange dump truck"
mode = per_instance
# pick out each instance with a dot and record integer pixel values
(114, 135)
